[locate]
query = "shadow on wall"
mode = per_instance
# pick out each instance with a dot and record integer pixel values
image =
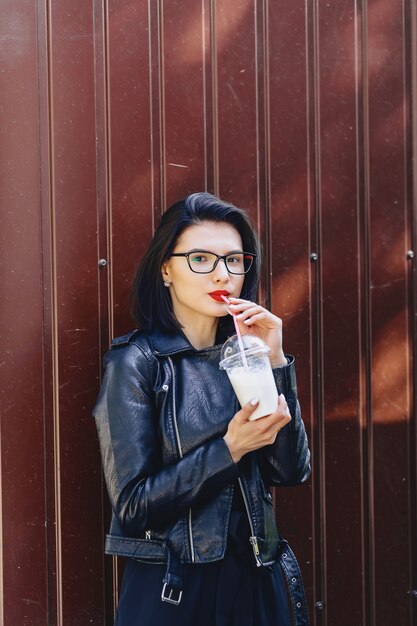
(342, 227)
(304, 208)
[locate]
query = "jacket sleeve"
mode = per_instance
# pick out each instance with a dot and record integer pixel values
(287, 461)
(143, 492)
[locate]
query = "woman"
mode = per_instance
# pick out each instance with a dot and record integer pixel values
(187, 473)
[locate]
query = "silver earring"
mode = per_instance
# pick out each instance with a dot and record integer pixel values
(167, 283)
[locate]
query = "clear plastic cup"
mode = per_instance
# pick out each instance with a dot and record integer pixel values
(251, 377)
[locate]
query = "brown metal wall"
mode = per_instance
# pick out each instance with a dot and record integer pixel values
(304, 113)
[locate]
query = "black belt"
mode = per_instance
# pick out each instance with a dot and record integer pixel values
(291, 570)
(172, 583)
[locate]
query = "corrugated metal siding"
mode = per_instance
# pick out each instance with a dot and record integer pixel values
(304, 112)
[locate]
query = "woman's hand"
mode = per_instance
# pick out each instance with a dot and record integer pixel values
(244, 436)
(254, 319)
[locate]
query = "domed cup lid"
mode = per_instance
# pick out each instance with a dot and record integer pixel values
(230, 354)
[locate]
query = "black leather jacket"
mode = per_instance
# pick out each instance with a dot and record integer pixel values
(161, 415)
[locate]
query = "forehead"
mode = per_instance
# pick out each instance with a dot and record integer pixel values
(219, 237)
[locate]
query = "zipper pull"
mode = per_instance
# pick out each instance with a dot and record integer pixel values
(254, 543)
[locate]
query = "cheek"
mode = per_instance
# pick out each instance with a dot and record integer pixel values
(185, 284)
(240, 285)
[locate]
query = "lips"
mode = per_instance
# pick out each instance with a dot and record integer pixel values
(217, 295)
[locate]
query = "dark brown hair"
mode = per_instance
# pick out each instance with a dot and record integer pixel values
(150, 301)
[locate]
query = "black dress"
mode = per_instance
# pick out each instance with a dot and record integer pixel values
(229, 592)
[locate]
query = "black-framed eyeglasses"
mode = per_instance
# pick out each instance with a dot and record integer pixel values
(204, 262)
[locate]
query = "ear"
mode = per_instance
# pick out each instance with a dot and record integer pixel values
(165, 271)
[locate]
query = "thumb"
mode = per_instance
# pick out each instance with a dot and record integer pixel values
(246, 411)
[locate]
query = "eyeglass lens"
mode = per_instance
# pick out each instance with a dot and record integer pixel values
(204, 262)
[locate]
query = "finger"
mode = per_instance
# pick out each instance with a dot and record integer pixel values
(244, 306)
(284, 420)
(237, 300)
(258, 316)
(246, 411)
(277, 426)
(269, 431)
(250, 310)
(252, 318)
(282, 404)
(280, 417)
(261, 314)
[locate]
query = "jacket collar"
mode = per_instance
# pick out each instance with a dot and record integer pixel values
(165, 344)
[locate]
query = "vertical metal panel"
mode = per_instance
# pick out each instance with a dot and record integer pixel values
(411, 76)
(339, 310)
(236, 52)
(290, 119)
(302, 112)
(132, 159)
(183, 41)
(75, 317)
(105, 609)
(24, 597)
(390, 379)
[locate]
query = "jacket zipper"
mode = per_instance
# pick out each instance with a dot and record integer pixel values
(253, 540)
(177, 435)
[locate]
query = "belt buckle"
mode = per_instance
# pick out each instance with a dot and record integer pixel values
(169, 598)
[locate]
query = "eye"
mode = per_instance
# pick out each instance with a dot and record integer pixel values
(234, 259)
(198, 258)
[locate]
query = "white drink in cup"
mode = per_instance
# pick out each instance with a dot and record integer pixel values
(250, 375)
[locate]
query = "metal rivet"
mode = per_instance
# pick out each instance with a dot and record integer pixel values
(102, 262)
(319, 605)
(165, 387)
(293, 579)
(284, 556)
(298, 605)
(314, 256)
(410, 254)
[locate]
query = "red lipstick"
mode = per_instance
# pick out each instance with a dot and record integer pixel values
(217, 295)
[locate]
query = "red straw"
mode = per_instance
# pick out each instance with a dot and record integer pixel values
(238, 333)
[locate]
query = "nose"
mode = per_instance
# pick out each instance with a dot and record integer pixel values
(220, 274)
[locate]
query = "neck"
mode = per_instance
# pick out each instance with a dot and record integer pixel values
(201, 335)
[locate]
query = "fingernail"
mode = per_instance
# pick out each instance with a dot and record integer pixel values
(254, 401)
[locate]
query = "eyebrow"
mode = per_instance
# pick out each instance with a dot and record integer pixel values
(211, 251)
